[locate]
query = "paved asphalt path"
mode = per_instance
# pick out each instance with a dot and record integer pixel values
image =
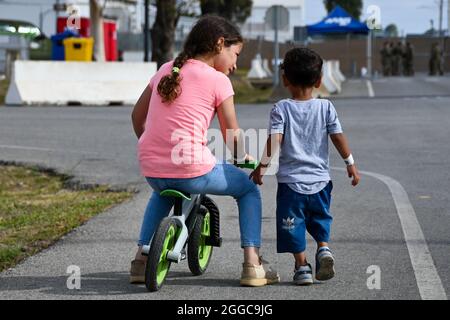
(421, 85)
(404, 139)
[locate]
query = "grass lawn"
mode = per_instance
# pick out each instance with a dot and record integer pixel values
(36, 210)
(3, 89)
(245, 92)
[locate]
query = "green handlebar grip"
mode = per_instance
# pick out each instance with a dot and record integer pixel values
(248, 165)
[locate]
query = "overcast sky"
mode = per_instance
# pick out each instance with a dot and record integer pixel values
(411, 16)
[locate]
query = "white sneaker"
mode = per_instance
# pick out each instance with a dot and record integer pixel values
(324, 264)
(303, 275)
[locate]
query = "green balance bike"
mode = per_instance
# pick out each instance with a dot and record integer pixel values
(194, 224)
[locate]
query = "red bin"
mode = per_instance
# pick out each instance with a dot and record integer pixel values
(110, 34)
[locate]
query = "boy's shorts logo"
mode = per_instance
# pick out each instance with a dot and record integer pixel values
(288, 224)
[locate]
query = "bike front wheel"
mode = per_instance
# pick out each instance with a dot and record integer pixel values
(158, 265)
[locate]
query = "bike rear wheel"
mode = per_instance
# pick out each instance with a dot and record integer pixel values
(199, 253)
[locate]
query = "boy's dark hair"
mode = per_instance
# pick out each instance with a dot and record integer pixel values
(201, 40)
(302, 67)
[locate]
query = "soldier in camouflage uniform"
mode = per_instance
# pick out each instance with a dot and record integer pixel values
(386, 59)
(408, 60)
(435, 64)
(397, 53)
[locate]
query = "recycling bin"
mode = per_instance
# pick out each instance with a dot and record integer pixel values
(58, 50)
(79, 49)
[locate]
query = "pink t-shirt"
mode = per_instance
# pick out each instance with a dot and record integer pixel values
(174, 143)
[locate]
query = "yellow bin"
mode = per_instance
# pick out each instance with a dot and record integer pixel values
(78, 49)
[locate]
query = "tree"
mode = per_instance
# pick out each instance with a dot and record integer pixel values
(353, 7)
(168, 13)
(96, 15)
(96, 8)
(391, 31)
(236, 11)
(163, 31)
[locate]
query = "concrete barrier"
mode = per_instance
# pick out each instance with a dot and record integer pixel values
(79, 83)
(332, 85)
(321, 92)
(336, 70)
(266, 68)
(257, 70)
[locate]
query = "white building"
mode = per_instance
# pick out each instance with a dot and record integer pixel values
(255, 25)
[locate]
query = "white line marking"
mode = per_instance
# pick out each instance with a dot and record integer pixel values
(44, 149)
(24, 148)
(370, 88)
(427, 278)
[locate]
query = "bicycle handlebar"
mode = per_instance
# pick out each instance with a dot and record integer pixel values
(247, 165)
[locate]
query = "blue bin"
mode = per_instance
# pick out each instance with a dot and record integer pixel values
(58, 46)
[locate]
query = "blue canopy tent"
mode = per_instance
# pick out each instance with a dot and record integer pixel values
(339, 21)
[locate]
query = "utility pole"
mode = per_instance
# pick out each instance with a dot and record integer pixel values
(448, 17)
(441, 12)
(42, 14)
(441, 35)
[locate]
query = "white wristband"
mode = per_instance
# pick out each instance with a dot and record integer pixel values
(240, 160)
(349, 161)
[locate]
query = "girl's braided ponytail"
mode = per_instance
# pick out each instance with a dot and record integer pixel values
(169, 86)
(201, 40)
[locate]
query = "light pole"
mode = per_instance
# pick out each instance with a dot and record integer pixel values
(42, 14)
(441, 12)
(369, 54)
(448, 17)
(56, 15)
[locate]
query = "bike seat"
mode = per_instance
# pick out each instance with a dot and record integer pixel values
(175, 193)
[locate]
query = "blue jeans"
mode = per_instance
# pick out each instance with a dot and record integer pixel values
(223, 179)
(298, 213)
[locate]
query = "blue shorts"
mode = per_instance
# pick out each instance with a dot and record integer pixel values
(298, 213)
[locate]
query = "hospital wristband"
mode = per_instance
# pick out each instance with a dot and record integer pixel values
(349, 161)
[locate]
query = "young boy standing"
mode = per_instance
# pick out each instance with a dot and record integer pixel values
(299, 129)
